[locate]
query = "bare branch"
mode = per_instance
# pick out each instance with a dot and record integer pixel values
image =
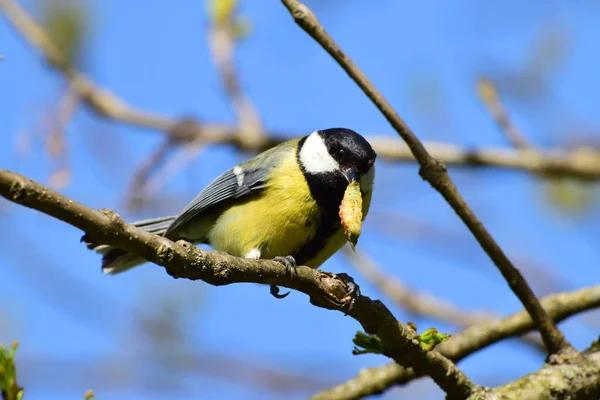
(182, 260)
(376, 380)
(434, 172)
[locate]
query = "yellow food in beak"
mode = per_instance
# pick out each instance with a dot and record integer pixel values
(351, 212)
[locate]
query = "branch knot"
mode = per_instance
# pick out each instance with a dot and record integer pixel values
(301, 13)
(433, 171)
(115, 220)
(17, 191)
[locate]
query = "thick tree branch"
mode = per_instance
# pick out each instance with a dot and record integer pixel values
(434, 172)
(580, 163)
(376, 380)
(182, 260)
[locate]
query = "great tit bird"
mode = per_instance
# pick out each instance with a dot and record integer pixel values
(283, 204)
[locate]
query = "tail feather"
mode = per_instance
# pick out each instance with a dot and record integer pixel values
(115, 260)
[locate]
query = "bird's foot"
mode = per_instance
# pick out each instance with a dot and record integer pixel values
(346, 299)
(290, 265)
(353, 290)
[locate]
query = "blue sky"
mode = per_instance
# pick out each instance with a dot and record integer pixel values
(72, 321)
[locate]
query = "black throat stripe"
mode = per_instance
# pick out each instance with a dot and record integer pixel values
(328, 190)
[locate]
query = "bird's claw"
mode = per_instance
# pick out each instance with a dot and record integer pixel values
(289, 263)
(275, 292)
(290, 266)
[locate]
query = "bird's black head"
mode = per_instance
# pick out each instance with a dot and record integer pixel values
(331, 158)
(352, 151)
(336, 151)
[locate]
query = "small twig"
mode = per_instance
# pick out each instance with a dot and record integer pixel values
(376, 380)
(434, 172)
(489, 95)
(182, 260)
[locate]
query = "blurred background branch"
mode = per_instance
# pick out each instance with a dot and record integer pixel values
(489, 95)
(424, 304)
(582, 163)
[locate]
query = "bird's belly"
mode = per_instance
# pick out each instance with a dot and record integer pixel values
(325, 250)
(276, 225)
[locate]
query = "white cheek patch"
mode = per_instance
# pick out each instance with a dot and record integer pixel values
(239, 173)
(366, 180)
(253, 254)
(314, 156)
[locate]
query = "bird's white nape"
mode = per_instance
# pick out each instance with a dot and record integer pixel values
(314, 156)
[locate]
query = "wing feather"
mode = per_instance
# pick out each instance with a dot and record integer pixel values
(246, 179)
(227, 186)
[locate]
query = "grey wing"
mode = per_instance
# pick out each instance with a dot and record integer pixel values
(232, 184)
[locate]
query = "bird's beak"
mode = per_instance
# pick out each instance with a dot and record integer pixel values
(350, 174)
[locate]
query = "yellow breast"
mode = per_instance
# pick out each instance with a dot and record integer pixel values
(279, 221)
